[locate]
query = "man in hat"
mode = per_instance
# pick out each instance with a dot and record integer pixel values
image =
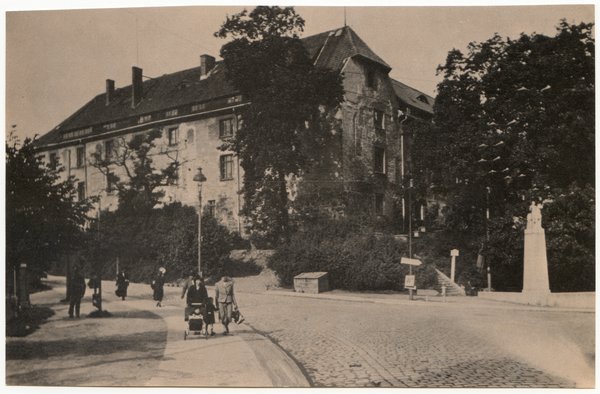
(189, 281)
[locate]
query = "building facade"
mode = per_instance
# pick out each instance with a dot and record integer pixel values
(195, 111)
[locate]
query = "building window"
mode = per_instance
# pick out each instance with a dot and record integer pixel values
(109, 182)
(226, 128)
(423, 99)
(110, 126)
(80, 156)
(173, 178)
(234, 99)
(173, 136)
(379, 160)
(399, 170)
(81, 191)
(211, 208)
(379, 204)
(357, 137)
(53, 161)
(378, 119)
(226, 165)
(190, 135)
(109, 149)
(370, 79)
(77, 133)
(198, 107)
(145, 118)
(171, 113)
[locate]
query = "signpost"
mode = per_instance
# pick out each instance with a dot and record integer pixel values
(409, 280)
(405, 260)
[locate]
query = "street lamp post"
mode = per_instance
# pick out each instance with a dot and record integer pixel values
(410, 291)
(200, 178)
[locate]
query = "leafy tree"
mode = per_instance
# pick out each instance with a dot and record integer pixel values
(162, 237)
(290, 103)
(514, 122)
(43, 219)
(142, 188)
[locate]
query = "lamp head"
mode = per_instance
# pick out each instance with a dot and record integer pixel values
(199, 177)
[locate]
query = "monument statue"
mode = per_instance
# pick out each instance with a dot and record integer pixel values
(535, 267)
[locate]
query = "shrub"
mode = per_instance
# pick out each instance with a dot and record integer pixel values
(27, 321)
(355, 257)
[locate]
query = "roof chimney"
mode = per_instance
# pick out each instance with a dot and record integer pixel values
(136, 86)
(207, 63)
(110, 90)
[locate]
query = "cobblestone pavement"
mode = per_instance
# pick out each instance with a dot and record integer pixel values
(358, 344)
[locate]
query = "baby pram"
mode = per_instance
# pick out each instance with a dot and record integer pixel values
(196, 321)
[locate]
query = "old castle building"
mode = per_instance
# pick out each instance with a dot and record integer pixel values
(195, 110)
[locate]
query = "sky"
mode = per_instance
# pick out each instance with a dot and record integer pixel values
(58, 58)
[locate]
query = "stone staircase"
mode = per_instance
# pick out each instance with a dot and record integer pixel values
(452, 289)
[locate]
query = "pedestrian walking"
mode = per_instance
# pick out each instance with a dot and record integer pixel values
(158, 286)
(209, 317)
(122, 284)
(196, 294)
(189, 281)
(225, 301)
(76, 291)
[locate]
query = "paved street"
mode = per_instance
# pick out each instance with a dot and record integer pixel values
(334, 339)
(428, 344)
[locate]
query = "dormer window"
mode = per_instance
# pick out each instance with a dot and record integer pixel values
(144, 119)
(422, 99)
(184, 85)
(198, 107)
(234, 99)
(77, 133)
(171, 113)
(110, 126)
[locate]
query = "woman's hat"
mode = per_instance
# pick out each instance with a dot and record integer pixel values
(161, 269)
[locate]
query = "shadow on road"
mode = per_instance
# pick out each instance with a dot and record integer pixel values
(138, 342)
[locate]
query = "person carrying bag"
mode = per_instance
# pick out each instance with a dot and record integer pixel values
(225, 301)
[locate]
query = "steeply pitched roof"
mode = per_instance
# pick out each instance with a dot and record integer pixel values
(330, 49)
(161, 93)
(412, 97)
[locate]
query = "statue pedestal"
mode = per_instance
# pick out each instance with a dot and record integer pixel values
(535, 274)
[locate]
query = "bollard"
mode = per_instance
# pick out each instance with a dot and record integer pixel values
(444, 292)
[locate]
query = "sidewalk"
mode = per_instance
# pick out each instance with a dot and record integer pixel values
(243, 359)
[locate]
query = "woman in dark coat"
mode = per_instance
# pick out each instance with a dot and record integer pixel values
(158, 284)
(122, 284)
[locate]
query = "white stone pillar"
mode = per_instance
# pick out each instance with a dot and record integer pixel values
(535, 270)
(453, 253)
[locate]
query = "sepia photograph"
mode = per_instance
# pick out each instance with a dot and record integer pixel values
(334, 195)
